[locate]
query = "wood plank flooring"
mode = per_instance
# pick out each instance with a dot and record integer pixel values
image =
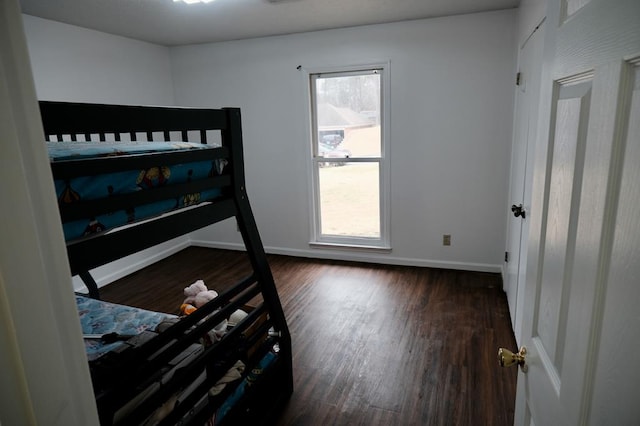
(372, 344)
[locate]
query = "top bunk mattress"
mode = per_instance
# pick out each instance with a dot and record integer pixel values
(103, 186)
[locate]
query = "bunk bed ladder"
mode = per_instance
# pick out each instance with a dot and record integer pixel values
(253, 244)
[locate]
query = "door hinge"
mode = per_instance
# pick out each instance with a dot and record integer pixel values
(506, 256)
(518, 76)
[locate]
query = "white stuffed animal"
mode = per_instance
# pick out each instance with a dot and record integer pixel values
(197, 294)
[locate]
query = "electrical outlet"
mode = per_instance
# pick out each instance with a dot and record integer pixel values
(446, 240)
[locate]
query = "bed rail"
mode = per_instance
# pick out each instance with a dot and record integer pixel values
(73, 119)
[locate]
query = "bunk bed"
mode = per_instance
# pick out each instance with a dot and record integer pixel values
(174, 374)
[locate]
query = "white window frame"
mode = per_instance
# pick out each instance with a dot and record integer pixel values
(351, 242)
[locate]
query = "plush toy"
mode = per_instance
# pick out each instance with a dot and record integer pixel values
(187, 308)
(197, 294)
(236, 317)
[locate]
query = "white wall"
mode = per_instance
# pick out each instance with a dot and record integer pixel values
(76, 64)
(80, 65)
(452, 83)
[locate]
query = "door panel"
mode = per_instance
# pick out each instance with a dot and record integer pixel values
(572, 109)
(572, 6)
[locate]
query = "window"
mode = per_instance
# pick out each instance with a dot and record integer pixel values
(350, 171)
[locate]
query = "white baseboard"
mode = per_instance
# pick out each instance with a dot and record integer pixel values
(359, 257)
(121, 268)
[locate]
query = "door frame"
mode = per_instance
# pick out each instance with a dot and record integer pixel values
(46, 377)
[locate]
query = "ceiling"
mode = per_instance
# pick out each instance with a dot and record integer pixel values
(166, 22)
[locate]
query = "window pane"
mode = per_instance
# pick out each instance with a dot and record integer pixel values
(350, 199)
(348, 115)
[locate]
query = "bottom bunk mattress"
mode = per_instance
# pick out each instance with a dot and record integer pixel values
(102, 186)
(106, 325)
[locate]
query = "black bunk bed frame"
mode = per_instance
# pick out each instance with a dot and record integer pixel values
(120, 377)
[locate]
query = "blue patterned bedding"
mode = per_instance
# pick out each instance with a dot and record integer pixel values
(98, 317)
(79, 150)
(128, 181)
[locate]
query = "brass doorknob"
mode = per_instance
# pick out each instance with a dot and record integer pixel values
(506, 358)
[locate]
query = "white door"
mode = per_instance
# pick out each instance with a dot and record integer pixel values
(581, 315)
(527, 91)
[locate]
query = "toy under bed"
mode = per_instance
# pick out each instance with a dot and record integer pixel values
(99, 186)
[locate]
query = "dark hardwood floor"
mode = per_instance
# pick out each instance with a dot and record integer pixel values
(372, 344)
